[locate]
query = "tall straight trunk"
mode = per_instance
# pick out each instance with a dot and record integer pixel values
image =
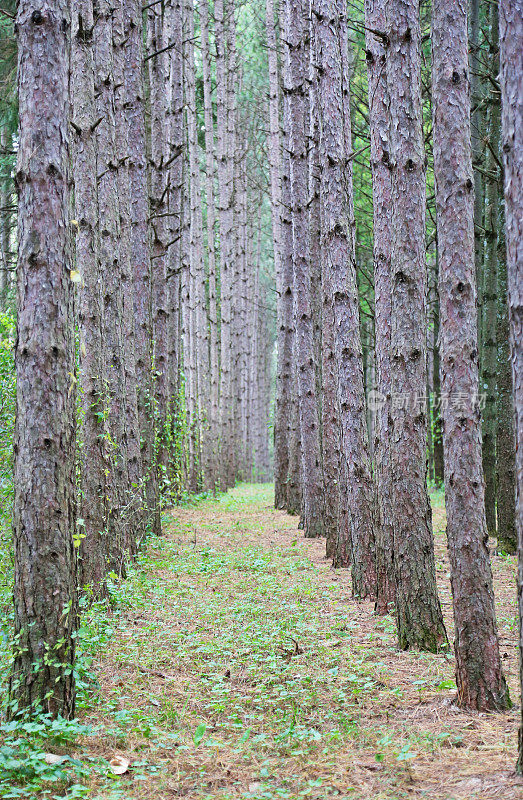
(158, 35)
(175, 124)
(92, 504)
(283, 372)
(286, 335)
(225, 215)
(479, 678)
(109, 266)
(136, 519)
(140, 253)
(505, 439)
(490, 301)
(44, 516)
(314, 224)
(511, 63)
(214, 406)
(505, 479)
(296, 38)
(437, 441)
(332, 460)
(477, 131)
(419, 618)
(379, 120)
(337, 222)
(196, 252)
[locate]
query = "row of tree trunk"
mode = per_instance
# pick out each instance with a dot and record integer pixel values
(145, 238)
(376, 514)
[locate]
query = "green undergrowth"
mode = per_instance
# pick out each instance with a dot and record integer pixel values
(230, 664)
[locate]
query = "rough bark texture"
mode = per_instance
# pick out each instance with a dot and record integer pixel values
(296, 35)
(158, 34)
(140, 253)
(283, 371)
(214, 407)
(479, 678)
(197, 267)
(477, 130)
(134, 511)
(109, 266)
(505, 435)
(92, 505)
(420, 622)
(511, 63)
(339, 262)
(44, 503)
(437, 441)
(287, 333)
(489, 299)
(379, 119)
(227, 249)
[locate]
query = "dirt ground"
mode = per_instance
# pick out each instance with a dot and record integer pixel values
(240, 667)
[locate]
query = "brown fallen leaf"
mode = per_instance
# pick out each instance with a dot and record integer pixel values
(119, 765)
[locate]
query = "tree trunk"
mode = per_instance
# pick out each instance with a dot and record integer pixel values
(296, 36)
(214, 408)
(479, 678)
(44, 517)
(337, 219)
(379, 119)
(505, 439)
(490, 302)
(287, 334)
(92, 504)
(477, 130)
(197, 266)
(438, 423)
(505, 461)
(109, 266)
(158, 34)
(140, 253)
(511, 62)
(284, 364)
(136, 519)
(420, 622)
(227, 250)
(177, 146)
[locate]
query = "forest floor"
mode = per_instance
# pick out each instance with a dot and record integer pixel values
(236, 665)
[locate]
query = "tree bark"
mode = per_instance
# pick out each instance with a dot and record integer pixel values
(135, 517)
(420, 622)
(214, 407)
(287, 333)
(44, 517)
(505, 439)
(379, 121)
(158, 35)
(140, 254)
(511, 63)
(197, 266)
(109, 266)
(283, 371)
(490, 300)
(477, 130)
(479, 678)
(296, 38)
(227, 249)
(337, 217)
(92, 504)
